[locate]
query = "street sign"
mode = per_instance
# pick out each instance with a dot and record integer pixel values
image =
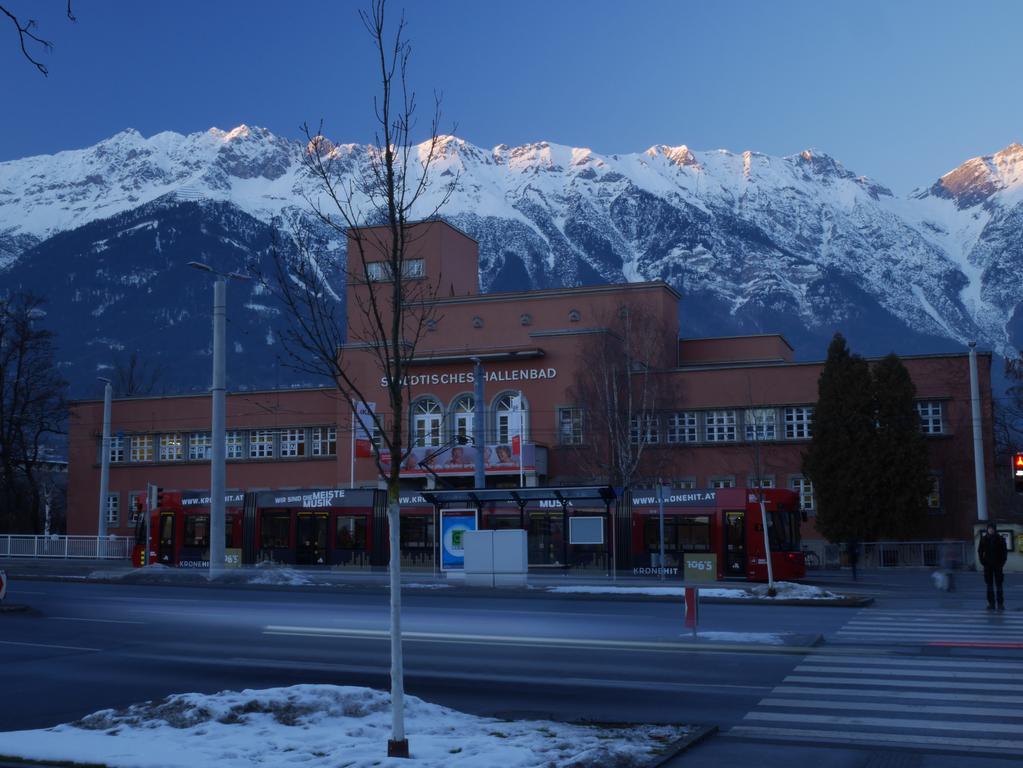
(700, 566)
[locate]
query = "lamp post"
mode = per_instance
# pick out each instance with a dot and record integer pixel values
(218, 459)
(978, 436)
(104, 474)
(478, 423)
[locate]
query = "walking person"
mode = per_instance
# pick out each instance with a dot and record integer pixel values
(992, 554)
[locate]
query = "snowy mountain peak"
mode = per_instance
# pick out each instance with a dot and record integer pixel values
(979, 179)
(681, 155)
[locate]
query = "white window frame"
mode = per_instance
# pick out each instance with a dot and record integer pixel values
(380, 271)
(684, 484)
(720, 426)
(645, 427)
(766, 481)
(463, 415)
(234, 444)
(172, 446)
(293, 443)
(570, 426)
(113, 508)
(804, 488)
(261, 443)
(761, 424)
(930, 413)
(722, 481)
(427, 423)
(799, 422)
(116, 449)
(324, 441)
(200, 446)
(141, 449)
(683, 427)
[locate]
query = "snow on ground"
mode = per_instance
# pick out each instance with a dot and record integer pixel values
(285, 576)
(316, 726)
(765, 638)
(785, 590)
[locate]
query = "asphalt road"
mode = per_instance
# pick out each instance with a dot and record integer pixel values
(86, 646)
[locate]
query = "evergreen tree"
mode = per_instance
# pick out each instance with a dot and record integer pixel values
(838, 461)
(900, 478)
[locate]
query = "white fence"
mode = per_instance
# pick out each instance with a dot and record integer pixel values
(67, 547)
(893, 554)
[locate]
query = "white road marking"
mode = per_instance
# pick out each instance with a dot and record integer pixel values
(874, 706)
(900, 683)
(888, 722)
(48, 645)
(802, 690)
(905, 661)
(852, 737)
(98, 621)
(947, 673)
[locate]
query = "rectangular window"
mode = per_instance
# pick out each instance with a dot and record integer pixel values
(113, 508)
(798, 422)
(197, 531)
(136, 505)
(767, 481)
(720, 426)
(380, 271)
(645, 429)
(275, 532)
(324, 440)
(141, 448)
(116, 449)
(235, 444)
(804, 488)
(761, 424)
(682, 427)
(292, 442)
(934, 497)
(929, 412)
(722, 482)
(350, 532)
(570, 426)
(685, 484)
(200, 446)
(171, 447)
(261, 444)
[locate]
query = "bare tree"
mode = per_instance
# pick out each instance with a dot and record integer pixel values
(28, 38)
(381, 204)
(619, 393)
(136, 377)
(32, 409)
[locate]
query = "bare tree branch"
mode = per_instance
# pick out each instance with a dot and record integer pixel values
(26, 36)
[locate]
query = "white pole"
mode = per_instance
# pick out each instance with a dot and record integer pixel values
(767, 542)
(978, 437)
(522, 442)
(104, 476)
(351, 484)
(217, 465)
(660, 523)
(398, 745)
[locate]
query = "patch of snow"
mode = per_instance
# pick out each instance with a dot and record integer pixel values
(784, 590)
(316, 726)
(765, 638)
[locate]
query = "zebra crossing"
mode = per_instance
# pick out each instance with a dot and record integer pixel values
(967, 628)
(917, 702)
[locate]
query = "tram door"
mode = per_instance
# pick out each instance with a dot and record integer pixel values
(735, 543)
(312, 538)
(165, 542)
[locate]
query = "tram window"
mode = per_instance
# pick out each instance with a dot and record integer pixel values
(166, 530)
(276, 530)
(688, 534)
(197, 531)
(350, 532)
(783, 531)
(417, 532)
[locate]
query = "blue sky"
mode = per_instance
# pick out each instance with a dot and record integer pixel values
(899, 91)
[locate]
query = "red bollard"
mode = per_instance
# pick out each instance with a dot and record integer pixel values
(690, 607)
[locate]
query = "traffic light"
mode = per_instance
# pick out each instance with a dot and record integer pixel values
(160, 498)
(1017, 471)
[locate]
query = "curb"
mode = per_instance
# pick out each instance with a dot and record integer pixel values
(699, 734)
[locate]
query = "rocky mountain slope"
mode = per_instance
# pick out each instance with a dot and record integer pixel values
(799, 244)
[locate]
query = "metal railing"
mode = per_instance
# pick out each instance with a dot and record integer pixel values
(893, 554)
(67, 547)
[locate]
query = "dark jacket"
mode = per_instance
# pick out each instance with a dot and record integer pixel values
(991, 551)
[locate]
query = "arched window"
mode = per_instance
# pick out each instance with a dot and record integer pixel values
(463, 415)
(510, 417)
(426, 423)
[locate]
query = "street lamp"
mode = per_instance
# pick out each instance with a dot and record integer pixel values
(104, 476)
(218, 460)
(478, 423)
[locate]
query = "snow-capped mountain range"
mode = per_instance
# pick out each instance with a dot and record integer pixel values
(755, 243)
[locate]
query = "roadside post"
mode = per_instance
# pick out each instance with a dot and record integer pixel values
(3, 585)
(691, 606)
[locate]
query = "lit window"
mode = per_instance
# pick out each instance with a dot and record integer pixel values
(722, 482)
(682, 427)
(804, 488)
(261, 444)
(929, 412)
(324, 440)
(235, 444)
(200, 446)
(171, 447)
(293, 442)
(720, 426)
(645, 428)
(426, 423)
(141, 448)
(113, 508)
(570, 426)
(761, 424)
(799, 422)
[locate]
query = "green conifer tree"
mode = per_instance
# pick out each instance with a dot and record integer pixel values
(900, 478)
(838, 461)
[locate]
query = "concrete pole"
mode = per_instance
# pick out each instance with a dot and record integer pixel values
(478, 423)
(660, 523)
(217, 465)
(104, 473)
(978, 437)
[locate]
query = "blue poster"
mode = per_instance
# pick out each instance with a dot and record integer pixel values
(453, 525)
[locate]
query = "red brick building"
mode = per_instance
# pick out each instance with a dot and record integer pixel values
(723, 406)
